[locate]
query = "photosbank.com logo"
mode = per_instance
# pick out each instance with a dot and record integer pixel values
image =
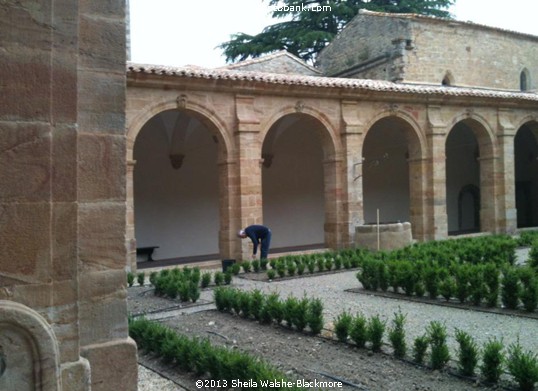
(303, 8)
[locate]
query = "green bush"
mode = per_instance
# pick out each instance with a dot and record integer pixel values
(467, 353)
(342, 326)
(140, 278)
(397, 335)
(130, 278)
(447, 287)
(523, 366)
(431, 280)
(359, 330)
(218, 278)
(271, 274)
(315, 316)
(376, 329)
(492, 361)
(246, 266)
(492, 281)
(275, 307)
(263, 263)
(529, 288)
(533, 255)
(420, 346)
(236, 268)
(288, 310)
(206, 280)
(440, 355)
(256, 265)
(510, 288)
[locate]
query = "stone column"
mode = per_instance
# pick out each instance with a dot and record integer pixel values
(334, 237)
(505, 175)
(248, 172)
(418, 197)
(130, 238)
(228, 209)
(352, 197)
(436, 214)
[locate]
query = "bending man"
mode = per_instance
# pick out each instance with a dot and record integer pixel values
(259, 234)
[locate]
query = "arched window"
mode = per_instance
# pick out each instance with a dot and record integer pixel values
(448, 80)
(524, 81)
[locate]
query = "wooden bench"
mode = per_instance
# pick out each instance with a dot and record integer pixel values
(146, 251)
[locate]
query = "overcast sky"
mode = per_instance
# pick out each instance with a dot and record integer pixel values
(182, 32)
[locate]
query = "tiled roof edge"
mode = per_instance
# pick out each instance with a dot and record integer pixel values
(323, 82)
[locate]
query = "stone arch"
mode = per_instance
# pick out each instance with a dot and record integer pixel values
(308, 196)
(30, 348)
(218, 129)
(402, 197)
(470, 150)
(209, 117)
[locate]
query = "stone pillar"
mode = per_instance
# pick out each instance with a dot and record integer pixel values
(249, 186)
(505, 175)
(352, 199)
(229, 215)
(130, 236)
(334, 237)
(489, 192)
(101, 187)
(418, 197)
(437, 219)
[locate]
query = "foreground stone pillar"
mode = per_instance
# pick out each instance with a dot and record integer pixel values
(505, 175)
(249, 184)
(352, 199)
(63, 310)
(436, 188)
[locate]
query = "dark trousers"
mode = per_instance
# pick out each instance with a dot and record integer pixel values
(266, 242)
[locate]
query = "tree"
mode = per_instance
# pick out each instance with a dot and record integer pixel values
(312, 24)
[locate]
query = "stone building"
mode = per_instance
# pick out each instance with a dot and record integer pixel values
(427, 121)
(63, 312)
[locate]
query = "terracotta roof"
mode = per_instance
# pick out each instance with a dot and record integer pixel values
(269, 57)
(323, 82)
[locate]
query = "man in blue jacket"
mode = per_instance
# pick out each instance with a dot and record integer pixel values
(259, 234)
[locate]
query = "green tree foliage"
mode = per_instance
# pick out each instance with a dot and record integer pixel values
(310, 25)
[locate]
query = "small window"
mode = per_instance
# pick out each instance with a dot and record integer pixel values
(524, 80)
(448, 80)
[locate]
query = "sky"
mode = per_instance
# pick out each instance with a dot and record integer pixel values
(187, 32)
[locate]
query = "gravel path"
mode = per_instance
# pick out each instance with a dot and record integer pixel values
(331, 288)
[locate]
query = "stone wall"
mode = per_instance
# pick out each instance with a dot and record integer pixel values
(419, 49)
(63, 312)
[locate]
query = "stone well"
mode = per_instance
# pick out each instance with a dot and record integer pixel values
(391, 236)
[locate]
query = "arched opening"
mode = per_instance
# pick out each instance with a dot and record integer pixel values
(526, 175)
(176, 187)
(448, 79)
(469, 179)
(388, 148)
(469, 209)
(293, 183)
(524, 82)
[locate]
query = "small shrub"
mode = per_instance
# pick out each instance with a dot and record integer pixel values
(510, 288)
(246, 266)
(321, 264)
(218, 277)
(329, 264)
(292, 268)
(300, 315)
(273, 262)
(376, 329)
(256, 303)
(271, 274)
(130, 278)
(245, 304)
(529, 288)
(315, 316)
(275, 308)
(206, 280)
(523, 366)
(467, 354)
(447, 288)
(311, 265)
(281, 269)
(300, 268)
(140, 278)
(342, 326)
(338, 262)
(463, 286)
(256, 265)
(492, 361)
(153, 278)
(194, 291)
(288, 310)
(431, 281)
(359, 330)
(533, 255)
(397, 335)
(492, 281)
(263, 263)
(228, 277)
(420, 346)
(439, 349)
(236, 268)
